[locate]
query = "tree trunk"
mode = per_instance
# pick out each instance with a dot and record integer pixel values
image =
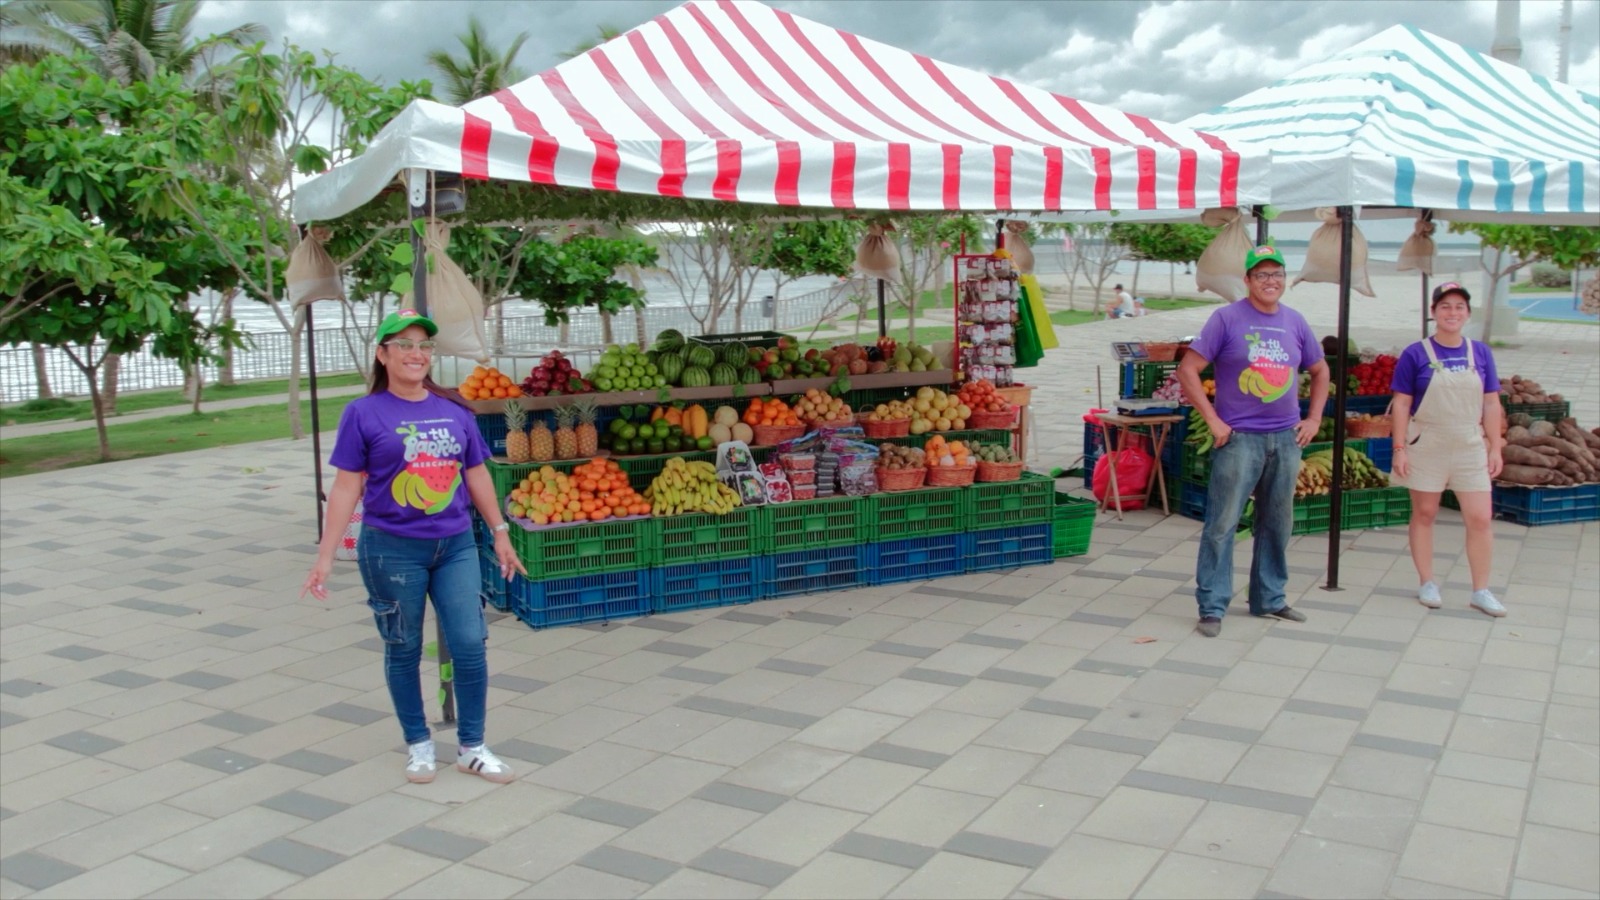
(1172, 280)
(225, 372)
(87, 366)
(605, 329)
(110, 370)
(1135, 289)
(297, 430)
(198, 375)
(41, 374)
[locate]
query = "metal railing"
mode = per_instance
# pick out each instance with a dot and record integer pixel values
(269, 353)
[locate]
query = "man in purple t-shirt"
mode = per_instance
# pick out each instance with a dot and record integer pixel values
(1257, 348)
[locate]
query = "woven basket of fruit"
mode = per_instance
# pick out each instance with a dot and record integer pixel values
(830, 423)
(767, 435)
(983, 419)
(1160, 351)
(951, 476)
(901, 479)
(1016, 394)
(880, 428)
(998, 471)
(1376, 426)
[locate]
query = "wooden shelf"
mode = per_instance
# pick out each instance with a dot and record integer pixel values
(722, 392)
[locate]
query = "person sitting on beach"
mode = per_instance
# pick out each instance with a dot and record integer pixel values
(1121, 305)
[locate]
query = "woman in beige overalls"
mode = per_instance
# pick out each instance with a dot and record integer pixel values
(1447, 434)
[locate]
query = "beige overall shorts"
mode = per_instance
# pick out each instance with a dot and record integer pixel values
(1446, 447)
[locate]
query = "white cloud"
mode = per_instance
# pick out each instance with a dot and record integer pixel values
(1159, 23)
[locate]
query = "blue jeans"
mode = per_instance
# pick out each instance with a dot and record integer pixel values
(400, 574)
(1268, 466)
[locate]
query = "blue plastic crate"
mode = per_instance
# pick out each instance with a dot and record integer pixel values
(492, 587)
(493, 429)
(1547, 505)
(1172, 450)
(1376, 404)
(1094, 447)
(914, 559)
(1381, 452)
(703, 585)
(1192, 500)
(1008, 548)
(809, 571)
(584, 598)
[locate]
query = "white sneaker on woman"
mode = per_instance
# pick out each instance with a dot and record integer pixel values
(1428, 595)
(479, 761)
(421, 768)
(1484, 601)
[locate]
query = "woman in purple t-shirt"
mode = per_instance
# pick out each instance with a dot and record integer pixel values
(1447, 416)
(406, 450)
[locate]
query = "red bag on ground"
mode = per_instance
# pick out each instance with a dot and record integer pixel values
(1134, 468)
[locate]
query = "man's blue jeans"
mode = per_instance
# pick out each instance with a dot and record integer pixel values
(1268, 466)
(400, 574)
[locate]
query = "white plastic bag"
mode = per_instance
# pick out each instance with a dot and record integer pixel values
(1322, 255)
(453, 303)
(1220, 268)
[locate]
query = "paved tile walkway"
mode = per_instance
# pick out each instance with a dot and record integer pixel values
(175, 723)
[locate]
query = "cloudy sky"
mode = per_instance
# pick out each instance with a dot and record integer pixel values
(1168, 60)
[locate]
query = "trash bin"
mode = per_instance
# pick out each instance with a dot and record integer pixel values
(768, 306)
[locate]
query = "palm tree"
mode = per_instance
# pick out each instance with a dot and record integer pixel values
(481, 71)
(606, 32)
(135, 39)
(33, 29)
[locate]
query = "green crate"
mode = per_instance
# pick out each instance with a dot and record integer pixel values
(1311, 515)
(702, 537)
(817, 524)
(923, 512)
(1550, 412)
(1142, 379)
(1357, 444)
(762, 339)
(1074, 524)
(506, 476)
(573, 550)
(1195, 467)
(1374, 508)
(1006, 504)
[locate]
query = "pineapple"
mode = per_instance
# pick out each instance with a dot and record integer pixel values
(588, 434)
(516, 433)
(541, 443)
(566, 438)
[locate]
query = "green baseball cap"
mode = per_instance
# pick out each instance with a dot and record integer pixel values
(397, 322)
(1261, 254)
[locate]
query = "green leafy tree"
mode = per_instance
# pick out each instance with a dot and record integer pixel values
(30, 30)
(95, 166)
(1517, 246)
(791, 250)
(133, 40)
(1161, 242)
(480, 70)
(927, 245)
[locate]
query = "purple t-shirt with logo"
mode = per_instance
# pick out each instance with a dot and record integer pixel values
(414, 453)
(1413, 372)
(1257, 358)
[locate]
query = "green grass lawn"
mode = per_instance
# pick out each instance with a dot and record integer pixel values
(154, 437)
(81, 410)
(1528, 287)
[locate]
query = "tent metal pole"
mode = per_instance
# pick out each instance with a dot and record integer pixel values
(1425, 306)
(316, 426)
(1336, 500)
(1261, 225)
(883, 317)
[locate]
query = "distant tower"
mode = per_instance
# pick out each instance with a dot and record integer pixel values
(1564, 42)
(1507, 45)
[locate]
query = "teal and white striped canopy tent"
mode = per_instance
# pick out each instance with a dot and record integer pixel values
(1408, 119)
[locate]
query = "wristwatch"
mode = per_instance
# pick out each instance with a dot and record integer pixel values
(503, 526)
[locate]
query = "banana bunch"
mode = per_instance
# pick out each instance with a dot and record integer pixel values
(690, 487)
(1199, 435)
(1316, 472)
(411, 490)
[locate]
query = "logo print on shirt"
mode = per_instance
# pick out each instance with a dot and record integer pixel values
(1269, 374)
(430, 478)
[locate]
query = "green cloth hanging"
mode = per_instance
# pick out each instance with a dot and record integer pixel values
(1029, 351)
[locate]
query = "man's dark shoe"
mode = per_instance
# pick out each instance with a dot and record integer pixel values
(1210, 626)
(1293, 615)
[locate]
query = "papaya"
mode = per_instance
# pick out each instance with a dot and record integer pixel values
(696, 421)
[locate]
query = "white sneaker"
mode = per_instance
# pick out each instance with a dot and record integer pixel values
(422, 766)
(1428, 595)
(1484, 601)
(479, 761)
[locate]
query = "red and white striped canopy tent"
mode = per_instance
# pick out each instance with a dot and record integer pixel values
(734, 100)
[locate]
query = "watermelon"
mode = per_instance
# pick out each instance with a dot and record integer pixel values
(724, 374)
(748, 375)
(696, 376)
(701, 355)
(671, 367)
(670, 339)
(735, 354)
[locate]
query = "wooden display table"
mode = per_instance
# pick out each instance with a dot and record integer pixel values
(1157, 428)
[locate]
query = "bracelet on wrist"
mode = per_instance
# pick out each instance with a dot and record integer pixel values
(502, 527)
